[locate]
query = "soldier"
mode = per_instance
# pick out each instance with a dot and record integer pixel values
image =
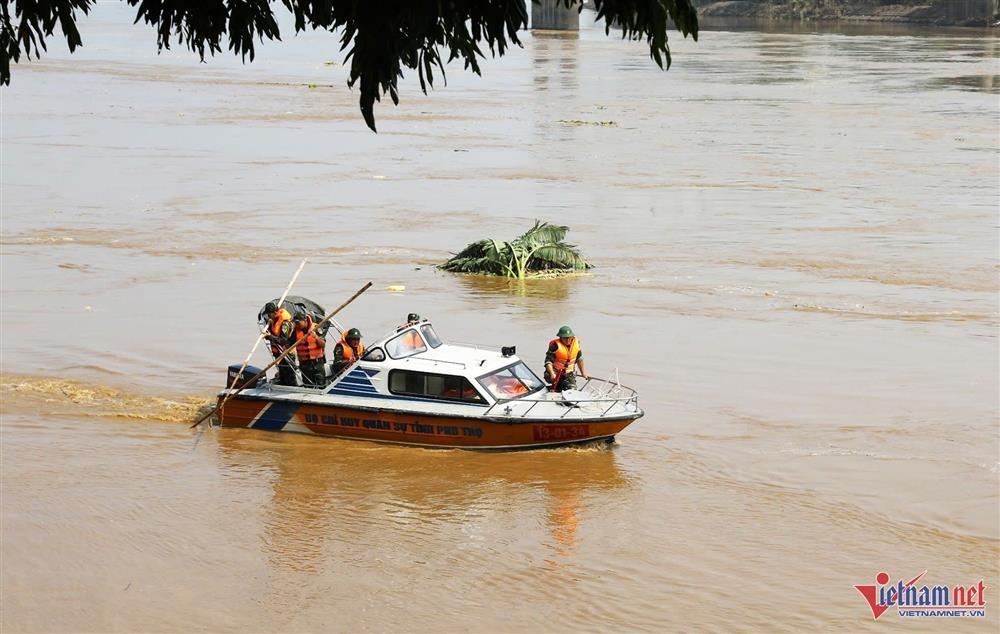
(412, 340)
(347, 351)
(562, 360)
(311, 352)
(279, 335)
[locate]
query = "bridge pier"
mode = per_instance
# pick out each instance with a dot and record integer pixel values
(554, 16)
(969, 12)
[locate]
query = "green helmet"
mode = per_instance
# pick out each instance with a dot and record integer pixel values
(353, 333)
(412, 317)
(565, 331)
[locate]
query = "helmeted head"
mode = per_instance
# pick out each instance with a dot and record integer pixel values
(412, 318)
(270, 308)
(353, 335)
(565, 332)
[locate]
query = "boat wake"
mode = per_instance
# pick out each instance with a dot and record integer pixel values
(57, 396)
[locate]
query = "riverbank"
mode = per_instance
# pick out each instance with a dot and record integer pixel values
(928, 12)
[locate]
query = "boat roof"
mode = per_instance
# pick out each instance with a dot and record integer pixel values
(447, 358)
(460, 359)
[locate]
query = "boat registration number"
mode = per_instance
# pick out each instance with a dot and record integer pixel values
(561, 432)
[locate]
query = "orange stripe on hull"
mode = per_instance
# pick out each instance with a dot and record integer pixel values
(239, 412)
(417, 429)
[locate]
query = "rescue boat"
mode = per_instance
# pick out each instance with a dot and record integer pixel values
(411, 388)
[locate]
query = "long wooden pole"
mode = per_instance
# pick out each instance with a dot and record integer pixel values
(263, 333)
(277, 360)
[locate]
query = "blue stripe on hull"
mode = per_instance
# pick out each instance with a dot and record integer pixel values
(357, 379)
(356, 384)
(276, 416)
(346, 392)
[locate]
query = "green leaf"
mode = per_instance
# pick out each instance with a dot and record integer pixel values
(541, 248)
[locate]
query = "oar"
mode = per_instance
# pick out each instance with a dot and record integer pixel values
(277, 360)
(263, 333)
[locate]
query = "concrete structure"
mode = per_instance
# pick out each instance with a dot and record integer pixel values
(553, 15)
(971, 10)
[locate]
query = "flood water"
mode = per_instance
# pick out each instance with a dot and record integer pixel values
(796, 246)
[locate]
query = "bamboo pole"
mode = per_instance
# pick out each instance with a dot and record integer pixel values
(263, 333)
(281, 356)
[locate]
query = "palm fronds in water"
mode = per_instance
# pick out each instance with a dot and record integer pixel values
(541, 249)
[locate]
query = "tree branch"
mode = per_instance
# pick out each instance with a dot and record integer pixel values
(381, 37)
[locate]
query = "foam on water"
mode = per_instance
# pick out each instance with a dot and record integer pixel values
(45, 396)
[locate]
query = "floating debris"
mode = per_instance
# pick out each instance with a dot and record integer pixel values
(76, 267)
(608, 124)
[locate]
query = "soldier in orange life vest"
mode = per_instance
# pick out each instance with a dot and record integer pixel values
(311, 352)
(347, 351)
(279, 335)
(412, 339)
(563, 359)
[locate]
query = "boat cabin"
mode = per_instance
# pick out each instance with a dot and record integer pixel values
(414, 363)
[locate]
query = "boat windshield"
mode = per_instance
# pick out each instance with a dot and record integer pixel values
(405, 344)
(430, 336)
(513, 381)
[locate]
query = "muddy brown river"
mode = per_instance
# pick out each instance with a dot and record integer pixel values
(795, 235)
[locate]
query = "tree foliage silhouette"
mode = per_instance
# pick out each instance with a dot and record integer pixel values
(381, 37)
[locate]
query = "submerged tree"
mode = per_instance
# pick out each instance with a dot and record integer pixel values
(380, 37)
(538, 251)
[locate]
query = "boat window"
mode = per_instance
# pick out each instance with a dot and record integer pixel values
(430, 336)
(511, 382)
(405, 344)
(406, 383)
(438, 386)
(375, 354)
(527, 377)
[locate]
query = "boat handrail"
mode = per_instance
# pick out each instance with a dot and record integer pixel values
(475, 346)
(629, 396)
(423, 358)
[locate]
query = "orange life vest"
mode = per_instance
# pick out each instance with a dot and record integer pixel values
(565, 361)
(276, 328)
(413, 340)
(276, 323)
(350, 354)
(310, 348)
(512, 386)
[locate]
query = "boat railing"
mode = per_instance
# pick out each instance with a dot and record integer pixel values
(433, 360)
(604, 392)
(475, 346)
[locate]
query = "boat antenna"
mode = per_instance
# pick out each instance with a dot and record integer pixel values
(252, 380)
